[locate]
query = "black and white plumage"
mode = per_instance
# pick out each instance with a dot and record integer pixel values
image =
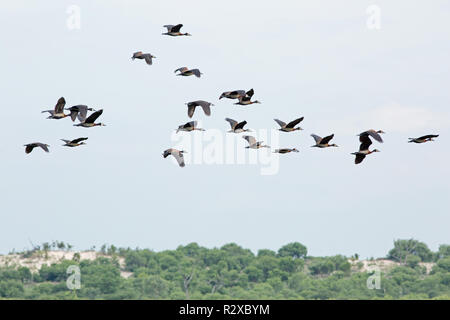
(374, 134)
(79, 111)
(290, 126)
(58, 111)
(90, 121)
(75, 142)
(253, 144)
(363, 148)
(323, 142)
(237, 127)
(174, 30)
(422, 139)
(190, 126)
(285, 150)
(246, 99)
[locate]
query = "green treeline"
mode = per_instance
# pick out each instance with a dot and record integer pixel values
(232, 272)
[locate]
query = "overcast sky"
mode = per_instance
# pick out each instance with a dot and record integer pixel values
(317, 59)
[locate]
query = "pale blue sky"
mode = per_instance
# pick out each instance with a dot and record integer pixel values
(315, 59)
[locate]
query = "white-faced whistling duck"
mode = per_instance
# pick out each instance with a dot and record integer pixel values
(246, 100)
(90, 121)
(174, 31)
(253, 144)
(237, 127)
(423, 139)
(374, 134)
(285, 150)
(190, 126)
(363, 148)
(323, 142)
(146, 56)
(204, 104)
(184, 71)
(177, 154)
(290, 126)
(79, 111)
(58, 112)
(31, 146)
(74, 143)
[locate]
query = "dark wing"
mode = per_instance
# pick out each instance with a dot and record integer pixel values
(294, 123)
(365, 142)
(29, 148)
(429, 136)
(148, 58)
(191, 124)
(60, 105)
(167, 153)
(326, 139)
(176, 28)
(373, 134)
(359, 158)
(43, 146)
(191, 109)
(73, 114)
(240, 125)
(78, 140)
(94, 116)
(196, 72)
(205, 106)
(250, 93)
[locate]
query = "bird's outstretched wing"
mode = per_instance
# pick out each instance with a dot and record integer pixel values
(232, 122)
(94, 116)
(373, 134)
(169, 27)
(250, 139)
(205, 106)
(182, 69)
(191, 110)
(359, 158)
(240, 125)
(78, 140)
(196, 72)
(250, 93)
(294, 123)
(428, 136)
(176, 28)
(327, 139)
(60, 105)
(280, 123)
(365, 142)
(148, 58)
(316, 138)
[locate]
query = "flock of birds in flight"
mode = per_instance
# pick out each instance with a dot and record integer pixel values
(80, 112)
